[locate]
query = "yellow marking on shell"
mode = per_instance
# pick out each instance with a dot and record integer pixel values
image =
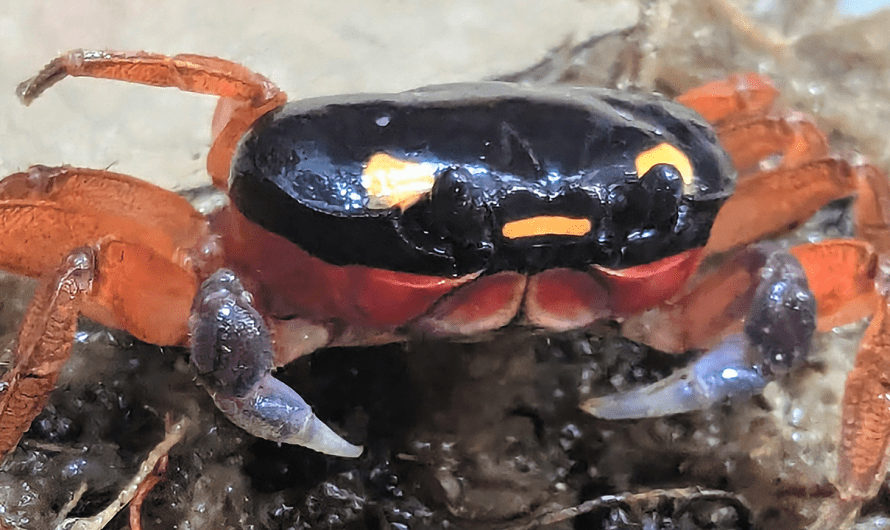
(391, 182)
(546, 225)
(666, 154)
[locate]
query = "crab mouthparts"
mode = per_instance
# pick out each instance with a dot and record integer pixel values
(546, 225)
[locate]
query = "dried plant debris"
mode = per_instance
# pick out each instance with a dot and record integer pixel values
(489, 435)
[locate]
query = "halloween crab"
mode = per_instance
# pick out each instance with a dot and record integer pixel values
(448, 212)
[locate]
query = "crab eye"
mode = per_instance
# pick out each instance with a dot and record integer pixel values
(665, 154)
(664, 188)
(651, 212)
(391, 182)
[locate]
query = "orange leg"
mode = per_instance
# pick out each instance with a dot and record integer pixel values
(245, 95)
(767, 202)
(771, 202)
(737, 94)
(865, 425)
(865, 422)
(131, 253)
(841, 274)
(46, 212)
(750, 139)
(44, 345)
(865, 430)
(148, 237)
(873, 208)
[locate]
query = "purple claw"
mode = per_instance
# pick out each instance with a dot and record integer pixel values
(232, 354)
(778, 330)
(721, 374)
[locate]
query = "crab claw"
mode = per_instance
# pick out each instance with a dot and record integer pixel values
(232, 355)
(723, 373)
(272, 410)
(778, 330)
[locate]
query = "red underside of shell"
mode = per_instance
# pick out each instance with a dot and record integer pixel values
(295, 283)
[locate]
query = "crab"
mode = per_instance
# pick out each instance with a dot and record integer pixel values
(449, 212)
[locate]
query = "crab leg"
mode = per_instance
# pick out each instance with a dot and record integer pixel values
(44, 345)
(777, 335)
(749, 140)
(232, 353)
(740, 109)
(873, 208)
(805, 179)
(245, 95)
(77, 206)
(865, 426)
(737, 94)
(792, 195)
(865, 422)
(140, 250)
(147, 237)
(865, 431)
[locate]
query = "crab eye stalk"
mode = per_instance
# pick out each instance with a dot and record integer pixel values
(648, 208)
(456, 207)
(668, 155)
(452, 220)
(664, 187)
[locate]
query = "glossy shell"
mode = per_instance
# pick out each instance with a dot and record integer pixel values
(494, 160)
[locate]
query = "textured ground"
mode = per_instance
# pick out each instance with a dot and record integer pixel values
(458, 436)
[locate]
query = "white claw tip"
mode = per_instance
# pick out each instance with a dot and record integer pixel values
(723, 373)
(324, 440)
(272, 410)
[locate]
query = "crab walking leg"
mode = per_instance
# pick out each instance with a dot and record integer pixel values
(741, 109)
(752, 131)
(842, 275)
(794, 136)
(232, 353)
(771, 202)
(737, 94)
(865, 422)
(777, 335)
(865, 426)
(873, 208)
(79, 206)
(865, 432)
(152, 244)
(245, 95)
(43, 345)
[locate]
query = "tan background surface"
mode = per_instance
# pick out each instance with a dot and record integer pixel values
(308, 47)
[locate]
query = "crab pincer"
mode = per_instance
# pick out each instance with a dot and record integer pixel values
(777, 336)
(232, 355)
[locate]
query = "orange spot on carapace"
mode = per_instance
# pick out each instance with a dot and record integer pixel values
(391, 182)
(546, 225)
